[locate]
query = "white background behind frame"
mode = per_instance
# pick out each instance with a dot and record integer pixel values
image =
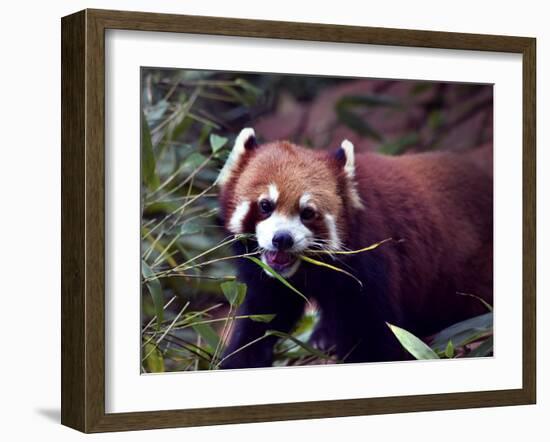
(127, 51)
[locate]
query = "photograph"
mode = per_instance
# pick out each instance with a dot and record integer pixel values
(293, 220)
(268, 220)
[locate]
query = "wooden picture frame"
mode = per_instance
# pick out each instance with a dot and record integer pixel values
(83, 220)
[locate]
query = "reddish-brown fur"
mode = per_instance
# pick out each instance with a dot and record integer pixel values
(294, 171)
(437, 206)
(441, 205)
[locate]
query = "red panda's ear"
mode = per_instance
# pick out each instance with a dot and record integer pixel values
(245, 141)
(345, 156)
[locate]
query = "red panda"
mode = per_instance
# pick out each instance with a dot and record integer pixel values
(437, 208)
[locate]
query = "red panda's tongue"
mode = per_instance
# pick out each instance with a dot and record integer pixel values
(278, 258)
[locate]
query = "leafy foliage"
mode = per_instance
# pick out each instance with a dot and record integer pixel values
(470, 338)
(412, 344)
(190, 294)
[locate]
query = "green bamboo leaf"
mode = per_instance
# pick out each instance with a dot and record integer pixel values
(354, 252)
(311, 350)
(246, 85)
(302, 331)
(234, 291)
(191, 227)
(277, 276)
(485, 303)
(208, 334)
(156, 112)
(449, 350)
(232, 92)
(262, 318)
(194, 160)
(306, 325)
(154, 361)
(148, 164)
(180, 128)
(412, 344)
(329, 266)
(155, 289)
(463, 332)
(217, 142)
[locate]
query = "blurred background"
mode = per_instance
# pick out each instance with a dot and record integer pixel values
(189, 121)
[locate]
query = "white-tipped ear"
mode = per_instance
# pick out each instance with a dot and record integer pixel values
(349, 150)
(246, 140)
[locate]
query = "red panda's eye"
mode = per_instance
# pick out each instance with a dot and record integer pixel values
(266, 207)
(307, 214)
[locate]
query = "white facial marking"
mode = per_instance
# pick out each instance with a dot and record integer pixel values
(235, 155)
(236, 222)
(332, 232)
(273, 192)
(267, 228)
(304, 200)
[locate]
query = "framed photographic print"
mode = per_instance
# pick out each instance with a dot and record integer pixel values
(267, 220)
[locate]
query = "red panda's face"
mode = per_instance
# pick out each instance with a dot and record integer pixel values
(290, 198)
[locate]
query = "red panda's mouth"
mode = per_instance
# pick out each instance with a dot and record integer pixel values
(279, 260)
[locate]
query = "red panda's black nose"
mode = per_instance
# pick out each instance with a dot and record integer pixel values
(282, 240)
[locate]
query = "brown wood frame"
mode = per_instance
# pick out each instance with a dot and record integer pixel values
(83, 217)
